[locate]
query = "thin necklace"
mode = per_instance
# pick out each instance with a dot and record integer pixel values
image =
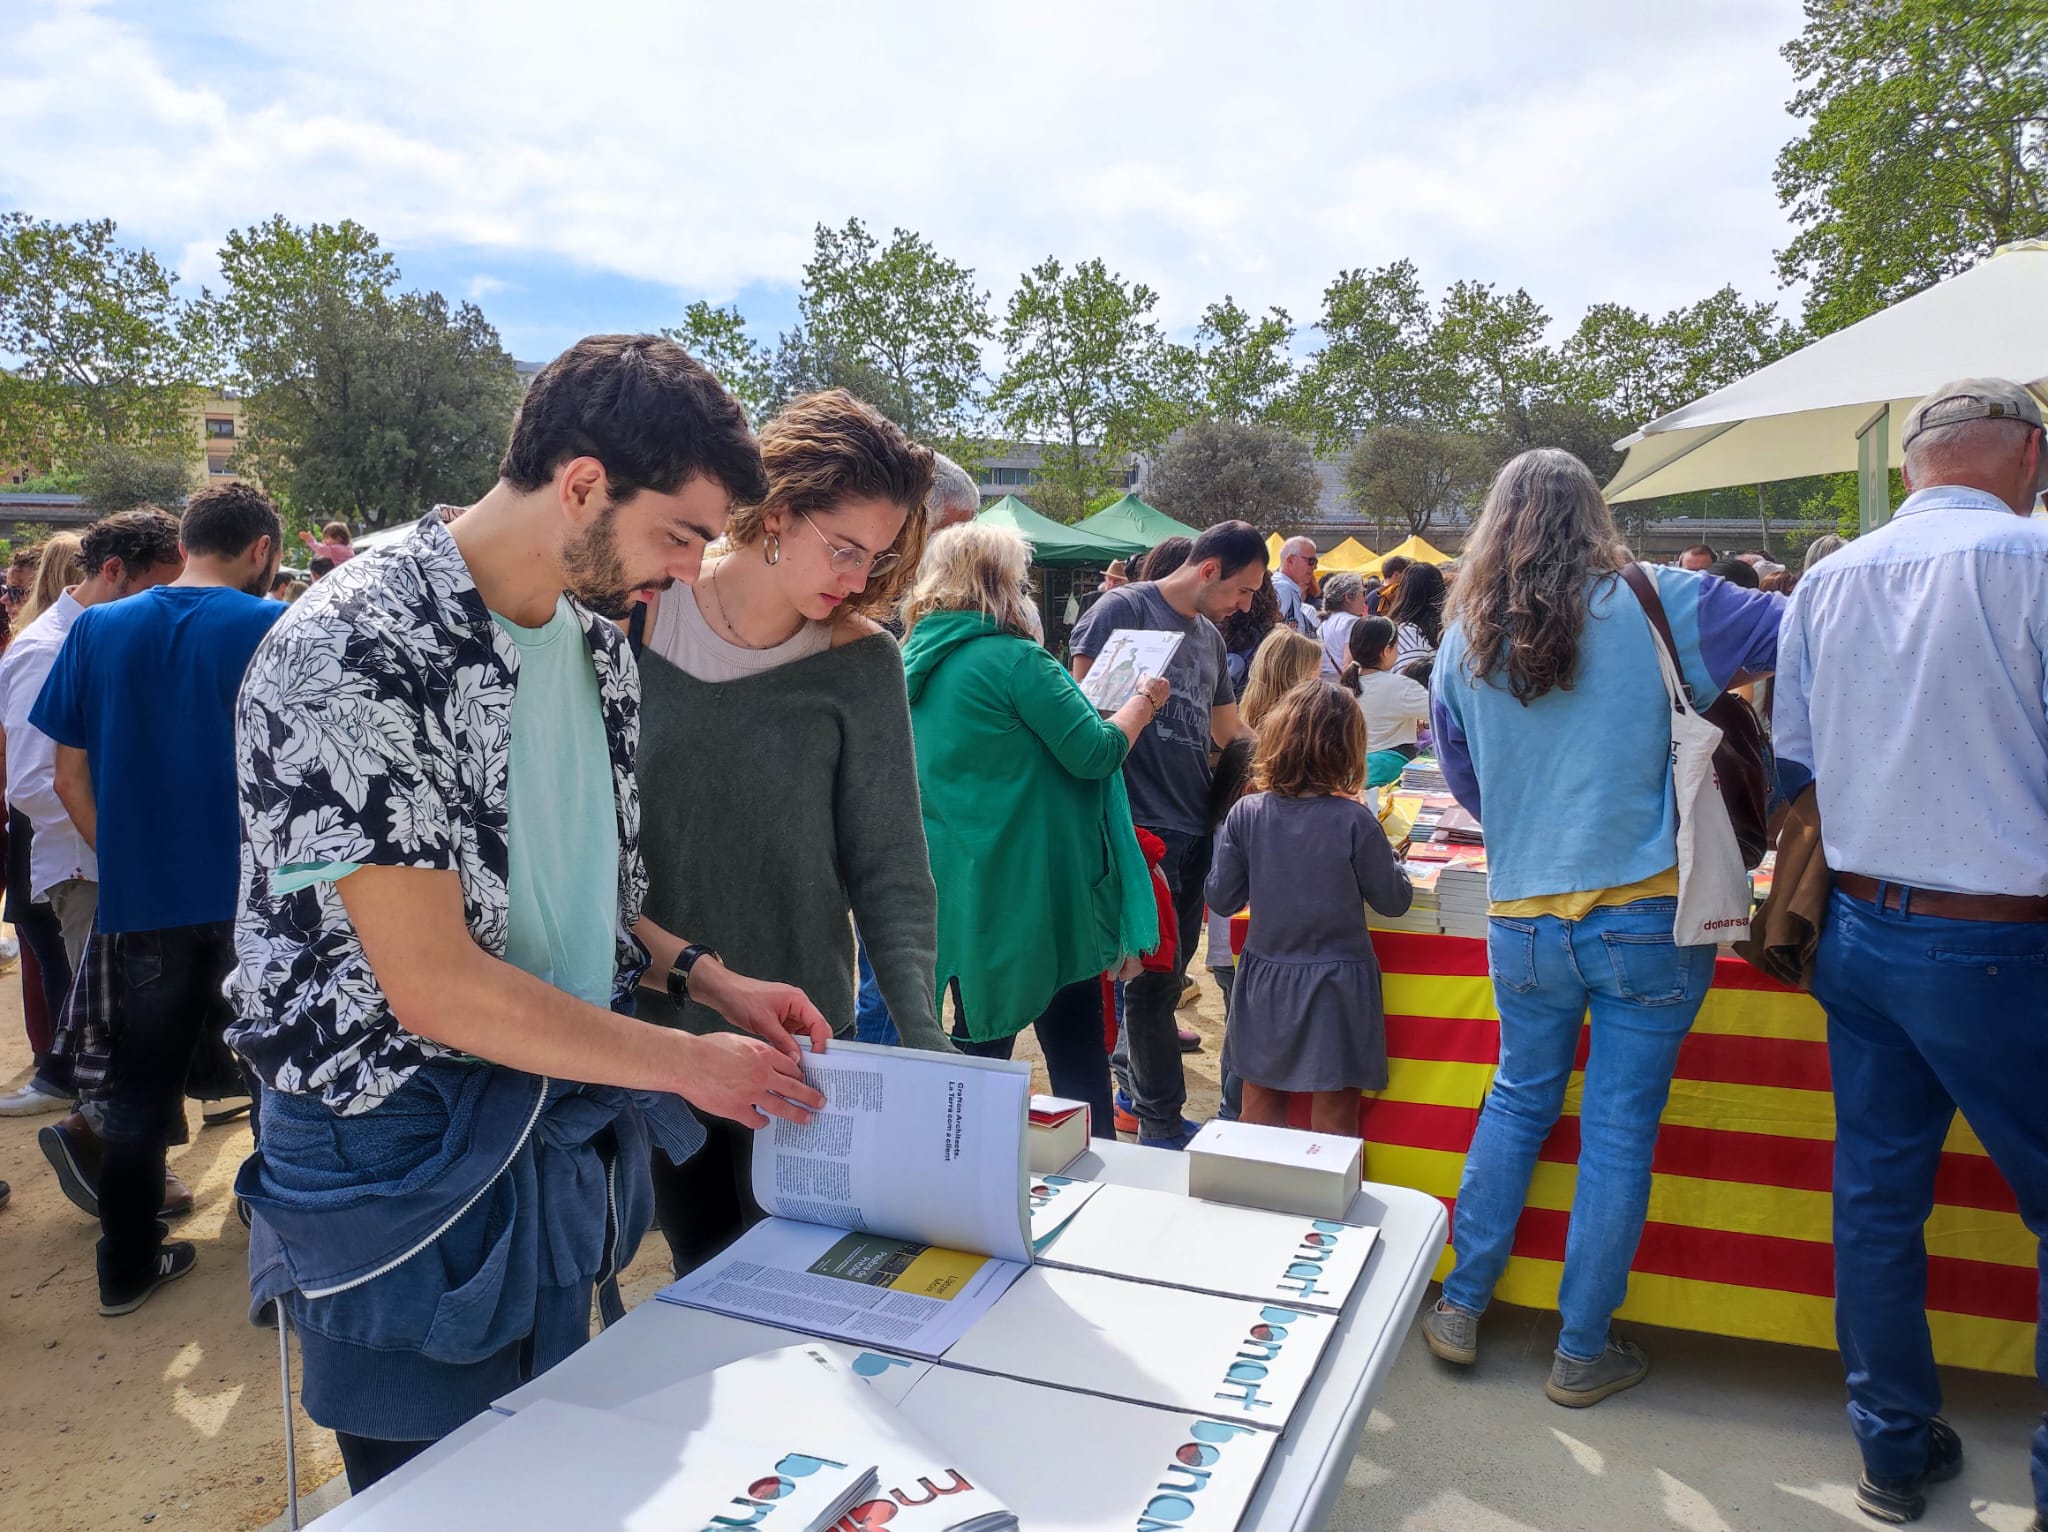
(712, 581)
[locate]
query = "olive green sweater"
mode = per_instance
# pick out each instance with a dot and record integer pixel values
(775, 805)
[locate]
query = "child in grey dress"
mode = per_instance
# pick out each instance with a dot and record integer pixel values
(1306, 855)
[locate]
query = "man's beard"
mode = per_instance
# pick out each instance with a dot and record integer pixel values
(595, 574)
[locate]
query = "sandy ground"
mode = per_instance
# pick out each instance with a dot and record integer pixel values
(170, 1417)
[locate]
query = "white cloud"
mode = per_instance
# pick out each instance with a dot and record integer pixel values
(1590, 150)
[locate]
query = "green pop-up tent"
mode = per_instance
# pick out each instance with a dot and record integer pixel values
(1132, 520)
(1054, 545)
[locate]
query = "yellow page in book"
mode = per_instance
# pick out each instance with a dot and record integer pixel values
(903, 1267)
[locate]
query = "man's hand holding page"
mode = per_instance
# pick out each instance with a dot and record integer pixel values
(746, 1080)
(775, 1013)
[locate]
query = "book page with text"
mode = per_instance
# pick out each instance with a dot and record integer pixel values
(927, 1147)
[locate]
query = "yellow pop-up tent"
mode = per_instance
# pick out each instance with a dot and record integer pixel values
(1348, 557)
(1414, 548)
(1273, 547)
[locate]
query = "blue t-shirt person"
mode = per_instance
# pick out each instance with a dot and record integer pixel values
(145, 686)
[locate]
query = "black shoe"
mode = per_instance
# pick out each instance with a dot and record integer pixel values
(72, 1177)
(172, 1262)
(6, 1192)
(1898, 1500)
(228, 1109)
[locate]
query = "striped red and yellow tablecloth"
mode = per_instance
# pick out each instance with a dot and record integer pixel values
(1738, 1239)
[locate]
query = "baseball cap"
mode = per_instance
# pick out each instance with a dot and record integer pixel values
(1971, 399)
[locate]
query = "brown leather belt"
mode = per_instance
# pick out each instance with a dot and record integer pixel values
(2008, 909)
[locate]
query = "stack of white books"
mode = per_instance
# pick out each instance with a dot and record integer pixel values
(1421, 915)
(1461, 898)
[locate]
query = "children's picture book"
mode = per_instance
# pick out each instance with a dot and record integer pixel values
(1066, 1462)
(900, 1209)
(1210, 1247)
(1130, 655)
(1233, 1358)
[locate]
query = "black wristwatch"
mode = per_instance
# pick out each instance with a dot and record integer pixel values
(679, 976)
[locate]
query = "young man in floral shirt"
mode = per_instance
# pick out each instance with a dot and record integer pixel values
(441, 927)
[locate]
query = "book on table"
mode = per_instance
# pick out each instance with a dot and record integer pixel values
(919, 1485)
(1281, 1169)
(1295, 1259)
(559, 1465)
(899, 1210)
(1058, 1133)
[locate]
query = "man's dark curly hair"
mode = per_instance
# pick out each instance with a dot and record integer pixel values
(643, 407)
(139, 538)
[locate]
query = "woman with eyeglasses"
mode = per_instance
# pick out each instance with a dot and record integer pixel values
(778, 790)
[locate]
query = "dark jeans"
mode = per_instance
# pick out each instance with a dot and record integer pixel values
(707, 1202)
(43, 935)
(872, 1022)
(169, 1000)
(1150, 1043)
(1070, 1037)
(1924, 1016)
(366, 1459)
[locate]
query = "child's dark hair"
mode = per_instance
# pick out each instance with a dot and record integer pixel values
(1313, 741)
(1371, 638)
(1420, 670)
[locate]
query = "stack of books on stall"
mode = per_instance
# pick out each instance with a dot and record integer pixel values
(1423, 775)
(1421, 916)
(1461, 893)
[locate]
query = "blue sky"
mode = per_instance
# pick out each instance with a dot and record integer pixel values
(577, 168)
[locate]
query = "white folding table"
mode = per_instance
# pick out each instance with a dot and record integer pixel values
(1306, 1474)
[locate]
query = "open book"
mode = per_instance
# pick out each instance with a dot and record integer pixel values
(1130, 655)
(899, 1209)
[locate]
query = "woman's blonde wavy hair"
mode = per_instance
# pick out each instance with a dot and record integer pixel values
(974, 568)
(61, 567)
(827, 447)
(1544, 532)
(1283, 660)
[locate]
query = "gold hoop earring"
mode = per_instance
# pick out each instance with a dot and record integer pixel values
(771, 548)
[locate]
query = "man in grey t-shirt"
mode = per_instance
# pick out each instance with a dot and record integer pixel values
(1167, 774)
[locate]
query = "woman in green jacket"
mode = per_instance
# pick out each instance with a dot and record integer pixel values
(1042, 888)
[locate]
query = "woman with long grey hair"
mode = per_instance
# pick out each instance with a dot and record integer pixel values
(1550, 716)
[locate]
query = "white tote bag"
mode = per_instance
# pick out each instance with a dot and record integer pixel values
(1713, 886)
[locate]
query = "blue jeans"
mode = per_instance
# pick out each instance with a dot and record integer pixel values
(872, 1022)
(1924, 1016)
(1643, 992)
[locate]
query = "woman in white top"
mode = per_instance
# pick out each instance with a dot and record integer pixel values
(1418, 613)
(1394, 706)
(1343, 605)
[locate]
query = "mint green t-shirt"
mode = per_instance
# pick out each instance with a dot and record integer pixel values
(563, 832)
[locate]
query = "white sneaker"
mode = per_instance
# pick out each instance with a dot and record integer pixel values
(32, 1101)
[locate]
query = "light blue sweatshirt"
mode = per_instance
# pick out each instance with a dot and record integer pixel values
(1576, 785)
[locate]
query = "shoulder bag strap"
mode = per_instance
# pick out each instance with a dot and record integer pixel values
(1644, 586)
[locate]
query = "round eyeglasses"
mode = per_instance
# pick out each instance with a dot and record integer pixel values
(853, 560)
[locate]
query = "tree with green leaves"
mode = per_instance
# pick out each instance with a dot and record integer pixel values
(106, 345)
(363, 402)
(1419, 474)
(1238, 369)
(1926, 146)
(1087, 377)
(1219, 469)
(718, 337)
(115, 477)
(1375, 363)
(906, 320)
(1490, 361)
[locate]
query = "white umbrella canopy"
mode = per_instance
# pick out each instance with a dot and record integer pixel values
(1803, 414)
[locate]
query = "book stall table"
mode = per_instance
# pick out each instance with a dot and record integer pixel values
(1739, 1238)
(1306, 1472)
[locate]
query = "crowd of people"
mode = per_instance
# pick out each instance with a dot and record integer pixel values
(519, 859)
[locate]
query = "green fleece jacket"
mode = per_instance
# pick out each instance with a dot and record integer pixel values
(1041, 882)
(774, 806)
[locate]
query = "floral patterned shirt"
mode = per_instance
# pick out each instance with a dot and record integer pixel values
(374, 728)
